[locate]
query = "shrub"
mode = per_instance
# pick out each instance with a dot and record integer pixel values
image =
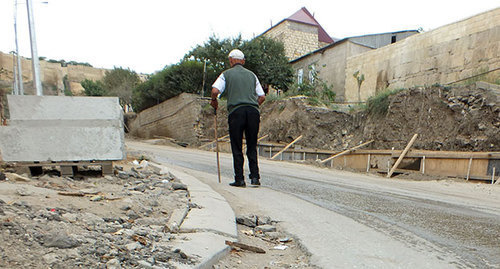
(379, 104)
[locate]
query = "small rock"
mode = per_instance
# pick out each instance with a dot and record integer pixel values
(2, 176)
(132, 215)
(119, 167)
(61, 241)
(247, 220)
(125, 207)
(273, 235)
(70, 217)
(140, 188)
(285, 239)
(144, 264)
(262, 220)
(181, 254)
(96, 198)
(265, 228)
(143, 164)
(132, 246)
(123, 175)
(113, 264)
(178, 186)
(50, 258)
(163, 256)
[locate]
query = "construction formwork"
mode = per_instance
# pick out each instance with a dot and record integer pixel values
(468, 165)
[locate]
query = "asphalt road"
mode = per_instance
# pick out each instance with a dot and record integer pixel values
(454, 227)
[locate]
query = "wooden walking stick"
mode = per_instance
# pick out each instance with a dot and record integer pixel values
(217, 145)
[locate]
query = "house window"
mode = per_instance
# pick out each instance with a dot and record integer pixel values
(300, 74)
(312, 73)
(393, 39)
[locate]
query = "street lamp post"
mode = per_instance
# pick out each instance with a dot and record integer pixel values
(34, 53)
(19, 80)
(15, 90)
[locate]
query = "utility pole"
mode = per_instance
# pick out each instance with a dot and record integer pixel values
(34, 53)
(15, 90)
(19, 80)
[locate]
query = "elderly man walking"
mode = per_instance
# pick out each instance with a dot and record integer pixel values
(244, 95)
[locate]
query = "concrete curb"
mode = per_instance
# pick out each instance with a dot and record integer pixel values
(205, 228)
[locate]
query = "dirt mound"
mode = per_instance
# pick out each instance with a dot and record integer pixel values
(285, 120)
(458, 119)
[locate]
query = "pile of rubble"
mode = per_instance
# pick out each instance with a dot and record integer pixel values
(263, 244)
(116, 221)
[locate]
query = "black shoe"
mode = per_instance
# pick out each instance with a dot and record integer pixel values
(238, 184)
(255, 182)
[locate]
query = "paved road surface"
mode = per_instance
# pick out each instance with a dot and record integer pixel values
(363, 220)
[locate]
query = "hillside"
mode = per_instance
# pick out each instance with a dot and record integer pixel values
(460, 119)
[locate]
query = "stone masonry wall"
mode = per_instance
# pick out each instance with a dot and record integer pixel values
(177, 118)
(298, 38)
(444, 55)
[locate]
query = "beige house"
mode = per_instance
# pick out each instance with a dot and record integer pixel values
(329, 63)
(300, 34)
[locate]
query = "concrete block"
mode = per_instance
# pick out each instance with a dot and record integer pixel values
(31, 107)
(21, 143)
(61, 128)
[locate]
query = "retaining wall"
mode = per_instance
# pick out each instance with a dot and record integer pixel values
(177, 118)
(444, 55)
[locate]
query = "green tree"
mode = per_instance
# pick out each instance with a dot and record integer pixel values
(121, 82)
(265, 57)
(93, 88)
(171, 81)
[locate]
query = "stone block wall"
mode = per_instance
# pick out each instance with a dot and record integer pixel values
(444, 55)
(177, 118)
(298, 38)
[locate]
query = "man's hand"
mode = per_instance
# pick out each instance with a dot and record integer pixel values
(261, 99)
(214, 104)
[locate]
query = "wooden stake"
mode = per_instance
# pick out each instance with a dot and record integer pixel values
(468, 168)
(493, 175)
(210, 143)
(287, 146)
(217, 146)
(402, 155)
(346, 151)
(367, 163)
(423, 165)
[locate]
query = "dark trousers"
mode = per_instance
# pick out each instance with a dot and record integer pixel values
(244, 119)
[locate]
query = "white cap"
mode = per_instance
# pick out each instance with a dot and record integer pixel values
(237, 54)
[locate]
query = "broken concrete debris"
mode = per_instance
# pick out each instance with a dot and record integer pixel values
(112, 222)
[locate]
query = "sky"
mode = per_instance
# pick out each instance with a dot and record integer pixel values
(147, 35)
